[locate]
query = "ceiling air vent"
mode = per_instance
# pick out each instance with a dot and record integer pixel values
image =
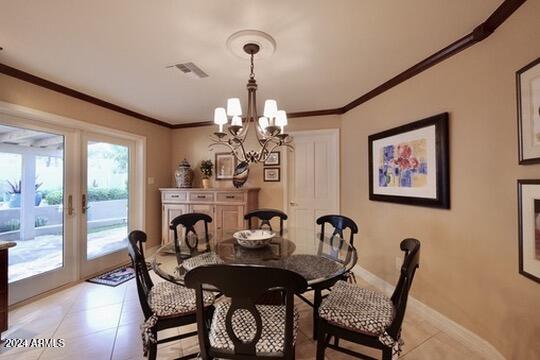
(191, 70)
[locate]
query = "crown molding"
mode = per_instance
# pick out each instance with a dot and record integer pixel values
(481, 32)
(36, 80)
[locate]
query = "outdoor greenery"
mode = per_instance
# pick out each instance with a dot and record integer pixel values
(54, 197)
(15, 224)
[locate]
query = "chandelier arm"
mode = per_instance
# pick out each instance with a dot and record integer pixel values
(240, 144)
(227, 144)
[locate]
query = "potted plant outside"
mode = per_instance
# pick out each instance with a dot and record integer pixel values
(207, 168)
(14, 194)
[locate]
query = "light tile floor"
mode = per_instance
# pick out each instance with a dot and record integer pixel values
(100, 322)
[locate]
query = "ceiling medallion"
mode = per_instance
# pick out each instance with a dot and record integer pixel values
(269, 128)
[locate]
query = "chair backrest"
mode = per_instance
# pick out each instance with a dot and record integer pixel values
(411, 261)
(265, 216)
(340, 223)
(188, 221)
(142, 277)
(244, 284)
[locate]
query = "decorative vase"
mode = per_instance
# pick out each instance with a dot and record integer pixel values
(15, 200)
(206, 183)
(241, 172)
(184, 175)
(38, 198)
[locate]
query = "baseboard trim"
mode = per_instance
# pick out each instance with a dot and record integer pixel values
(463, 335)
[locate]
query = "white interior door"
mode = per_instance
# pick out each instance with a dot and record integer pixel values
(36, 205)
(313, 177)
(106, 201)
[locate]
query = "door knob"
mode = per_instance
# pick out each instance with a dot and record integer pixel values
(292, 203)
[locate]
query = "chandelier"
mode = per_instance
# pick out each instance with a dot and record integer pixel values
(269, 128)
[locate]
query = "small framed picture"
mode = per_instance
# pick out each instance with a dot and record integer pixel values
(225, 163)
(272, 174)
(274, 159)
(529, 228)
(528, 98)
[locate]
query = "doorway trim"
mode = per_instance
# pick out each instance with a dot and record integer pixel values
(335, 132)
(65, 124)
(139, 185)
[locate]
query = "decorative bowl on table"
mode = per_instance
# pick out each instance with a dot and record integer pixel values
(253, 239)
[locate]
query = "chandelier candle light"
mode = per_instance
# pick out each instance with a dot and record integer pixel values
(269, 128)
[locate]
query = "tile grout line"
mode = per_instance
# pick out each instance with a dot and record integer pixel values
(422, 343)
(60, 322)
(118, 324)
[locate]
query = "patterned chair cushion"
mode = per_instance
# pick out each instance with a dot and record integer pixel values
(358, 309)
(168, 300)
(273, 328)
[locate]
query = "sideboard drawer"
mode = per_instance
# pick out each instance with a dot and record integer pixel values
(230, 197)
(201, 196)
(174, 196)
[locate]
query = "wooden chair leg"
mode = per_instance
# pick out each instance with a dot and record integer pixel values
(321, 342)
(317, 298)
(387, 353)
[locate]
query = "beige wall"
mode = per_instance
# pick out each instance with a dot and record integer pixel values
(158, 138)
(192, 144)
(469, 260)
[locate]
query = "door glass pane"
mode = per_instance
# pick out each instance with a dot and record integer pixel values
(31, 206)
(107, 198)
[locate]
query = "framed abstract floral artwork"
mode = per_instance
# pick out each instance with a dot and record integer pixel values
(410, 164)
(528, 100)
(529, 228)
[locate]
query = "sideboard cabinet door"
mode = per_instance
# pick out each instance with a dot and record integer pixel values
(207, 209)
(169, 212)
(229, 218)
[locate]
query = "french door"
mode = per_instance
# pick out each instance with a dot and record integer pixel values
(106, 201)
(69, 195)
(36, 205)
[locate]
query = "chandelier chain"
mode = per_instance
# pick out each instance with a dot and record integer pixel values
(251, 68)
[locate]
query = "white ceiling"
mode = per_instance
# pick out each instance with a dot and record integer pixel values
(328, 52)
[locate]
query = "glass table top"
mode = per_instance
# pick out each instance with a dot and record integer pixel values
(317, 258)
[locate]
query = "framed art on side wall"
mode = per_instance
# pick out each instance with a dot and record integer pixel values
(528, 101)
(529, 228)
(409, 164)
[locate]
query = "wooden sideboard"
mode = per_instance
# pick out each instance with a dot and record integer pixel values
(226, 206)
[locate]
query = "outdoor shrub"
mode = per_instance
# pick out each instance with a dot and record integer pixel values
(53, 197)
(40, 221)
(11, 225)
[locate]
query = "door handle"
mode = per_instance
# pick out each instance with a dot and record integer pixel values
(84, 205)
(70, 205)
(292, 203)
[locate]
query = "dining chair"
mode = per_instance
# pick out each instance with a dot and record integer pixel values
(165, 305)
(265, 216)
(191, 238)
(340, 225)
(240, 328)
(365, 316)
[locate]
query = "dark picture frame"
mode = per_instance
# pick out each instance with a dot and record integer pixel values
(231, 160)
(524, 238)
(440, 146)
(525, 117)
(270, 162)
(272, 179)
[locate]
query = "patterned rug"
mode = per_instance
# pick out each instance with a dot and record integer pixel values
(115, 277)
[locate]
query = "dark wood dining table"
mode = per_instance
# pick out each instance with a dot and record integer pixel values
(319, 259)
